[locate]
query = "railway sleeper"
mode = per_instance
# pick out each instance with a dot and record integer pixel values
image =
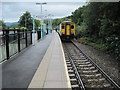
(90, 78)
(88, 71)
(82, 63)
(71, 75)
(94, 80)
(79, 60)
(69, 65)
(75, 86)
(73, 55)
(86, 68)
(69, 68)
(68, 62)
(87, 65)
(70, 71)
(91, 75)
(81, 55)
(99, 86)
(73, 81)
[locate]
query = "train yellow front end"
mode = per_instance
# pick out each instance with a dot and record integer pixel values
(67, 30)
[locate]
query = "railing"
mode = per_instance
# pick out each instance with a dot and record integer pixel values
(13, 41)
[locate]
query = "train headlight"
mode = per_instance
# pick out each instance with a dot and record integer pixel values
(72, 32)
(63, 32)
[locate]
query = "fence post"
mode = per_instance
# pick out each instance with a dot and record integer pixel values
(18, 33)
(7, 43)
(47, 31)
(38, 34)
(31, 36)
(14, 34)
(26, 37)
(4, 36)
(24, 33)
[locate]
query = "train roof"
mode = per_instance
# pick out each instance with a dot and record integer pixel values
(67, 22)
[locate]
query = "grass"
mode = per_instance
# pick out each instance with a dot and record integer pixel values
(95, 44)
(98, 44)
(102, 47)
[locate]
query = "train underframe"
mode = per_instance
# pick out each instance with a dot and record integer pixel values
(67, 37)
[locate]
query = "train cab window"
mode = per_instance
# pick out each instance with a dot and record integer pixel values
(72, 27)
(63, 27)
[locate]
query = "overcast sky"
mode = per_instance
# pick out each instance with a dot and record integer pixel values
(11, 11)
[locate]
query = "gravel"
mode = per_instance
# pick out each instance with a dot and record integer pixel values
(105, 61)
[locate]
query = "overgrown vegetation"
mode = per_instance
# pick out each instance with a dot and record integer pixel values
(99, 24)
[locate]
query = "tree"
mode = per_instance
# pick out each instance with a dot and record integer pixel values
(37, 24)
(2, 24)
(56, 22)
(26, 20)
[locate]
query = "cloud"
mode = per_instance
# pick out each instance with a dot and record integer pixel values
(0, 11)
(60, 0)
(13, 10)
(43, 0)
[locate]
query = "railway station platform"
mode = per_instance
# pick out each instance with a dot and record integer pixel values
(52, 72)
(39, 66)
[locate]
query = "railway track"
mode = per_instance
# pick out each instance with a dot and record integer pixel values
(84, 73)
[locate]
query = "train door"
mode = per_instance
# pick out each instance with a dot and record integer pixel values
(73, 29)
(62, 28)
(67, 29)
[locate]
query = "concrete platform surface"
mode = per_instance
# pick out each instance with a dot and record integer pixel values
(18, 73)
(52, 71)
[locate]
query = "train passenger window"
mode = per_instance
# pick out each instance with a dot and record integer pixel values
(63, 27)
(72, 27)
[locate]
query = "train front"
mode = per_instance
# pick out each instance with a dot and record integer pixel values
(67, 30)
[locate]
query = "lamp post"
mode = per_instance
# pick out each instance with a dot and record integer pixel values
(50, 22)
(46, 17)
(41, 16)
(33, 30)
(33, 23)
(45, 14)
(41, 5)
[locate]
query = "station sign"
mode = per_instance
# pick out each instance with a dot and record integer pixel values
(41, 22)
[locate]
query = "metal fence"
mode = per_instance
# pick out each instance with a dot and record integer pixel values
(13, 41)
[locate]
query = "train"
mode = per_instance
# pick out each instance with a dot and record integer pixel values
(67, 30)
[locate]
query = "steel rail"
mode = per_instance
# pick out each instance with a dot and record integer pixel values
(81, 85)
(98, 67)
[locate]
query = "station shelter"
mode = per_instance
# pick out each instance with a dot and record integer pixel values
(42, 29)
